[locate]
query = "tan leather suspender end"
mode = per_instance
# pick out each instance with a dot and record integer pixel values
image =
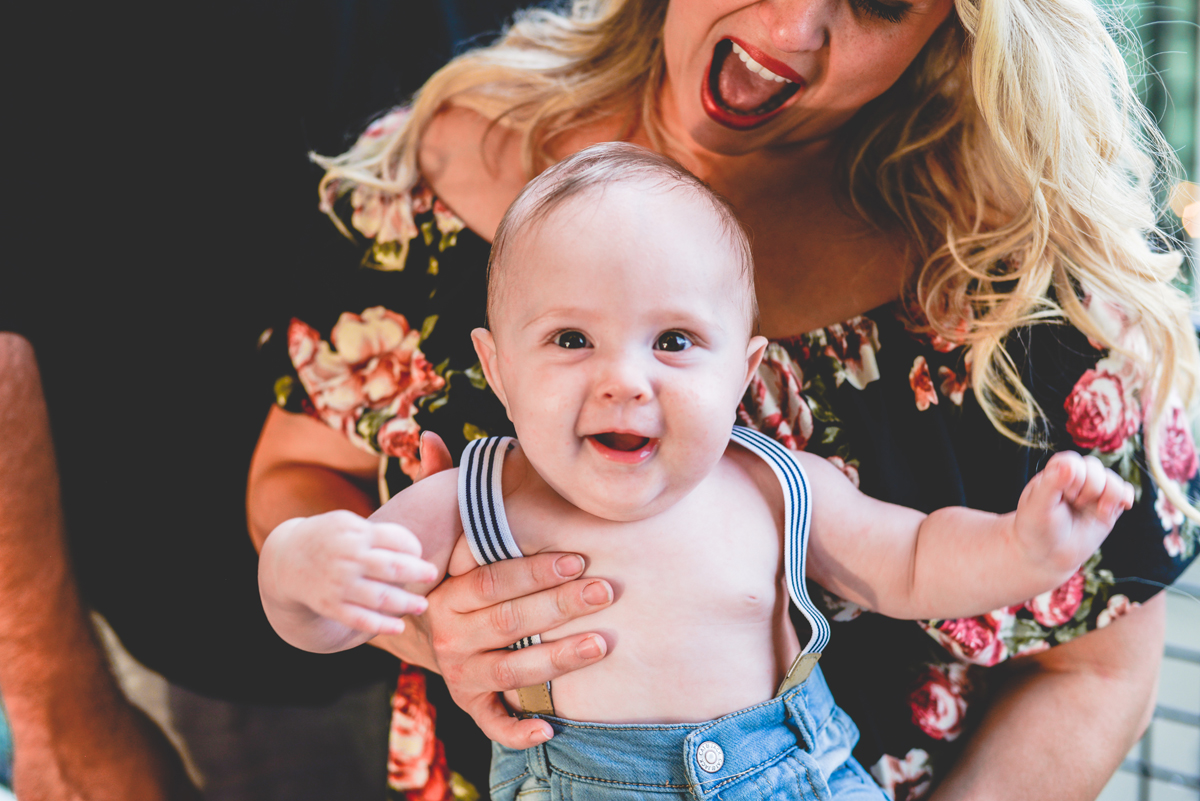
(798, 672)
(535, 699)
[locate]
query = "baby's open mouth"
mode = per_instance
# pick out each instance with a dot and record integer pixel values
(621, 442)
(741, 86)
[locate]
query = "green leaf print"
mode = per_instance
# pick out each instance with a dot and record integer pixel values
(427, 326)
(369, 424)
(1123, 462)
(283, 389)
(474, 374)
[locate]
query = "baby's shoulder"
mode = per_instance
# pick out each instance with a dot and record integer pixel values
(430, 501)
(743, 477)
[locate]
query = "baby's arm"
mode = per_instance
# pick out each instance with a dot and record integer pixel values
(333, 581)
(959, 562)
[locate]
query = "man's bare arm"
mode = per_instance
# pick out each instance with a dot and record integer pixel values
(75, 736)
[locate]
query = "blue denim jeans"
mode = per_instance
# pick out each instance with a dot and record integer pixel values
(795, 746)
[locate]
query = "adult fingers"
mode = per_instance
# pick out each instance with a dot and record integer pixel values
(487, 585)
(435, 456)
(502, 670)
(493, 719)
(502, 624)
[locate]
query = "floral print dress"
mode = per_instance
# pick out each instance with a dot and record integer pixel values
(388, 355)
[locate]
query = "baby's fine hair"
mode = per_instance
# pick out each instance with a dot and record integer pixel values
(607, 164)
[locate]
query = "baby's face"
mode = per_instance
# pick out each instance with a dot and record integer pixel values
(621, 346)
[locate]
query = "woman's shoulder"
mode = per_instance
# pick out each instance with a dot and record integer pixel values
(473, 166)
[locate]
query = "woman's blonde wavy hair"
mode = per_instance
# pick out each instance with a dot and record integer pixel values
(1013, 151)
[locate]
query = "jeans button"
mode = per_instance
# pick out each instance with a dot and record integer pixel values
(710, 757)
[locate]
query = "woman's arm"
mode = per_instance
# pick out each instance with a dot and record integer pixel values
(302, 468)
(1063, 719)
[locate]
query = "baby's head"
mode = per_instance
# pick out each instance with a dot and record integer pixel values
(621, 312)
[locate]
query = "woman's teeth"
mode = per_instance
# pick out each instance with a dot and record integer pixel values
(755, 67)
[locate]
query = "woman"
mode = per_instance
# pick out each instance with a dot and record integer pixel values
(943, 198)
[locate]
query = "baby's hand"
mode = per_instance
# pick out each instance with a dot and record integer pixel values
(1068, 509)
(328, 579)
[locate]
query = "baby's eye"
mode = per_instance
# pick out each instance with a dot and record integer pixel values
(673, 341)
(571, 340)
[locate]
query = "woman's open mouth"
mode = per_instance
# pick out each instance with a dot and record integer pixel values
(741, 91)
(623, 448)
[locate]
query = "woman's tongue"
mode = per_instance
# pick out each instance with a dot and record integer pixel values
(742, 90)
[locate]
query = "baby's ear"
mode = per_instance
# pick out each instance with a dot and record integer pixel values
(485, 349)
(754, 356)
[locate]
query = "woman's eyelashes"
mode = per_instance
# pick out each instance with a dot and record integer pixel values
(571, 340)
(673, 341)
(888, 12)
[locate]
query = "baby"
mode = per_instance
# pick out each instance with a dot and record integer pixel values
(621, 312)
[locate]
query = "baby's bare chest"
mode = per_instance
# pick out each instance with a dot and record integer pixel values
(714, 557)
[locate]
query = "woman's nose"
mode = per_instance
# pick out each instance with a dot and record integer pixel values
(797, 26)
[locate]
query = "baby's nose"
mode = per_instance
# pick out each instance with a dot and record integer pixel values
(623, 382)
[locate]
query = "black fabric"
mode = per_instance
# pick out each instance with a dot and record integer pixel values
(171, 211)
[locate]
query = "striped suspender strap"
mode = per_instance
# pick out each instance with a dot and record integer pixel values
(797, 513)
(481, 506)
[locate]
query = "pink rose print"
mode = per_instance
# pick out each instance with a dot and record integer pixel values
(387, 218)
(1176, 447)
(1170, 517)
(977, 640)
(1056, 607)
(848, 470)
(908, 779)
(955, 386)
(1100, 413)
(422, 198)
(375, 365)
(447, 221)
(401, 437)
(1173, 543)
(773, 403)
(922, 384)
(386, 124)
(938, 706)
(853, 345)
(1118, 606)
(416, 759)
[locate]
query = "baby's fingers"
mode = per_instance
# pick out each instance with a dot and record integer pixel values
(1093, 485)
(394, 537)
(1116, 496)
(366, 620)
(397, 568)
(379, 597)
(1063, 475)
